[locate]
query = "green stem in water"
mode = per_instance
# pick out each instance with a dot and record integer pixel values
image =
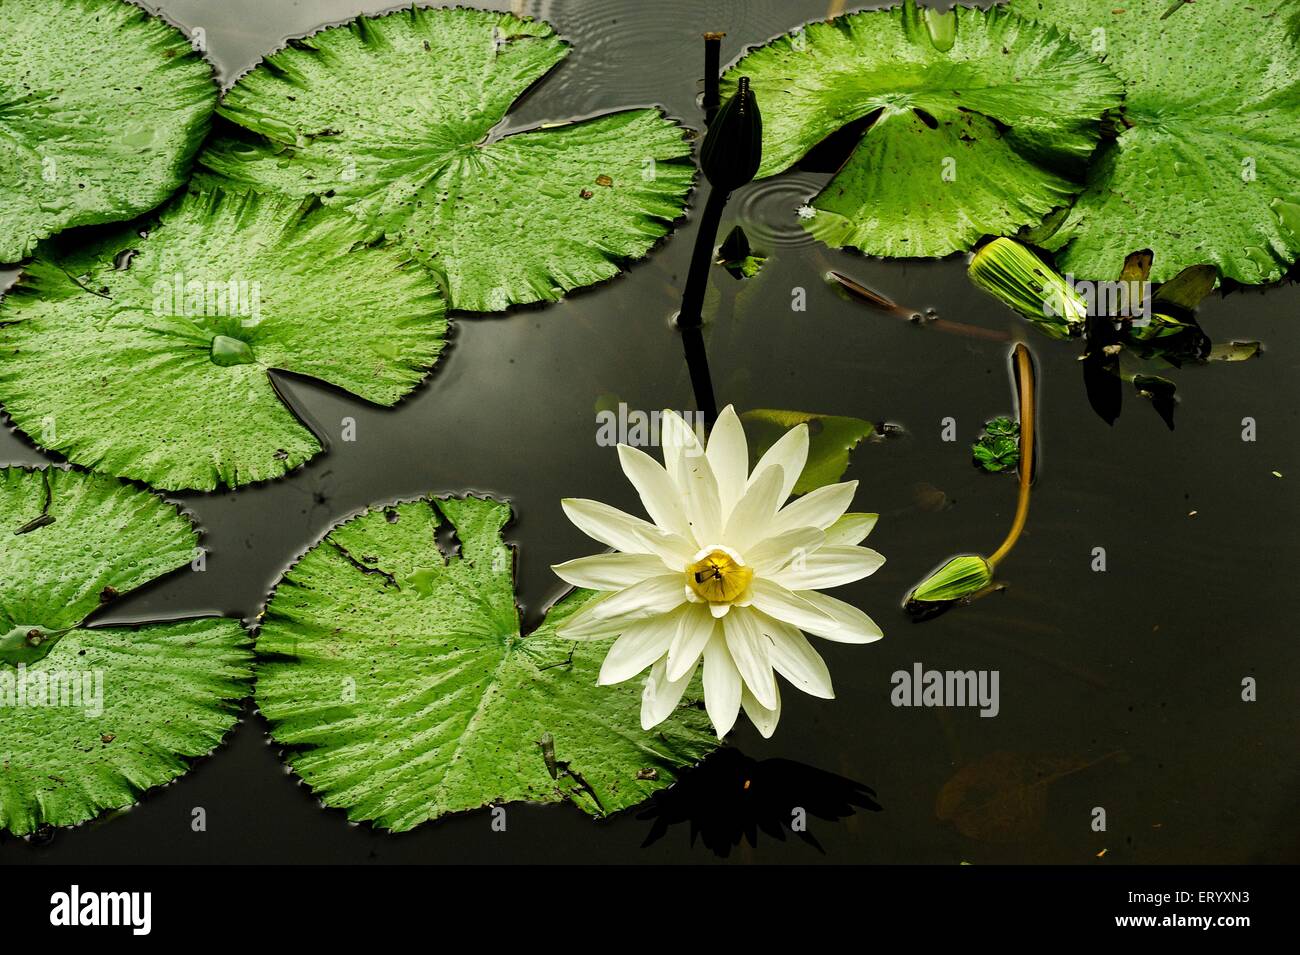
(1024, 367)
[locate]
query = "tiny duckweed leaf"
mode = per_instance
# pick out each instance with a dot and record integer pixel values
(102, 108)
(158, 372)
(830, 439)
(998, 448)
(400, 681)
(93, 716)
(393, 117)
(1207, 161)
(980, 123)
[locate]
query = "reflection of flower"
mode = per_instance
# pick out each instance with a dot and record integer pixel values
(724, 573)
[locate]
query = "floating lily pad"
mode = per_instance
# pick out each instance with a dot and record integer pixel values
(830, 439)
(102, 108)
(400, 680)
(92, 716)
(148, 357)
(979, 122)
(1206, 167)
(394, 117)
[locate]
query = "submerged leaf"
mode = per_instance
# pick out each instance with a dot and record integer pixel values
(102, 107)
(979, 123)
(392, 117)
(91, 716)
(1207, 162)
(401, 681)
(830, 439)
(158, 372)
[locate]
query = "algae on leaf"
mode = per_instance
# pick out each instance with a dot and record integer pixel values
(102, 107)
(400, 680)
(148, 357)
(91, 716)
(394, 118)
(1206, 166)
(980, 122)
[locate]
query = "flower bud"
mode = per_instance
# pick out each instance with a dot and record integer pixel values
(960, 577)
(733, 146)
(1010, 272)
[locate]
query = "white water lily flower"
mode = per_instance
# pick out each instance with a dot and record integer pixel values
(723, 575)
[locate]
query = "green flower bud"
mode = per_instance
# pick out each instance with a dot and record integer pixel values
(1010, 272)
(960, 577)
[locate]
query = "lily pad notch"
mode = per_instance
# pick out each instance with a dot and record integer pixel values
(91, 716)
(400, 683)
(508, 218)
(978, 122)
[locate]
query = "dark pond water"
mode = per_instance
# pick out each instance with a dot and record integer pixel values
(1119, 689)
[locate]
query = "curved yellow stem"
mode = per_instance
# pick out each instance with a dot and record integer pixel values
(1025, 381)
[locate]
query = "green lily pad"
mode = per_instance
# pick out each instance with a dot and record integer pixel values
(157, 369)
(400, 680)
(102, 108)
(1206, 167)
(91, 716)
(830, 439)
(394, 118)
(980, 123)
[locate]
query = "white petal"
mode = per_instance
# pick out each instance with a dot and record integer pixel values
(851, 624)
(699, 488)
(609, 571)
(764, 720)
(678, 439)
(830, 567)
(749, 650)
(640, 645)
(851, 529)
(721, 685)
(752, 516)
(585, 625)
(694, 628)
(791, 452)
(629, 534)
(654, 595)
(776, 601)
(659, 495)
(661, 696)
(774, 553)
(719, 610)
(728, 455)
(819, 508)
(795, 659)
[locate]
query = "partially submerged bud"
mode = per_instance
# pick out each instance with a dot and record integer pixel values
(1010, 272)
(733, 146)
(960, 577)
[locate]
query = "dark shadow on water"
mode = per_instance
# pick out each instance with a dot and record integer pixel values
(731, 796)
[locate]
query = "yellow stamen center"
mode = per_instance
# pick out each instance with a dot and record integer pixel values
(719, 576)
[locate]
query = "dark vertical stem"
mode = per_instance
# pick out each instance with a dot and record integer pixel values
(697, 363)
(712, 67)
(697, 279)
